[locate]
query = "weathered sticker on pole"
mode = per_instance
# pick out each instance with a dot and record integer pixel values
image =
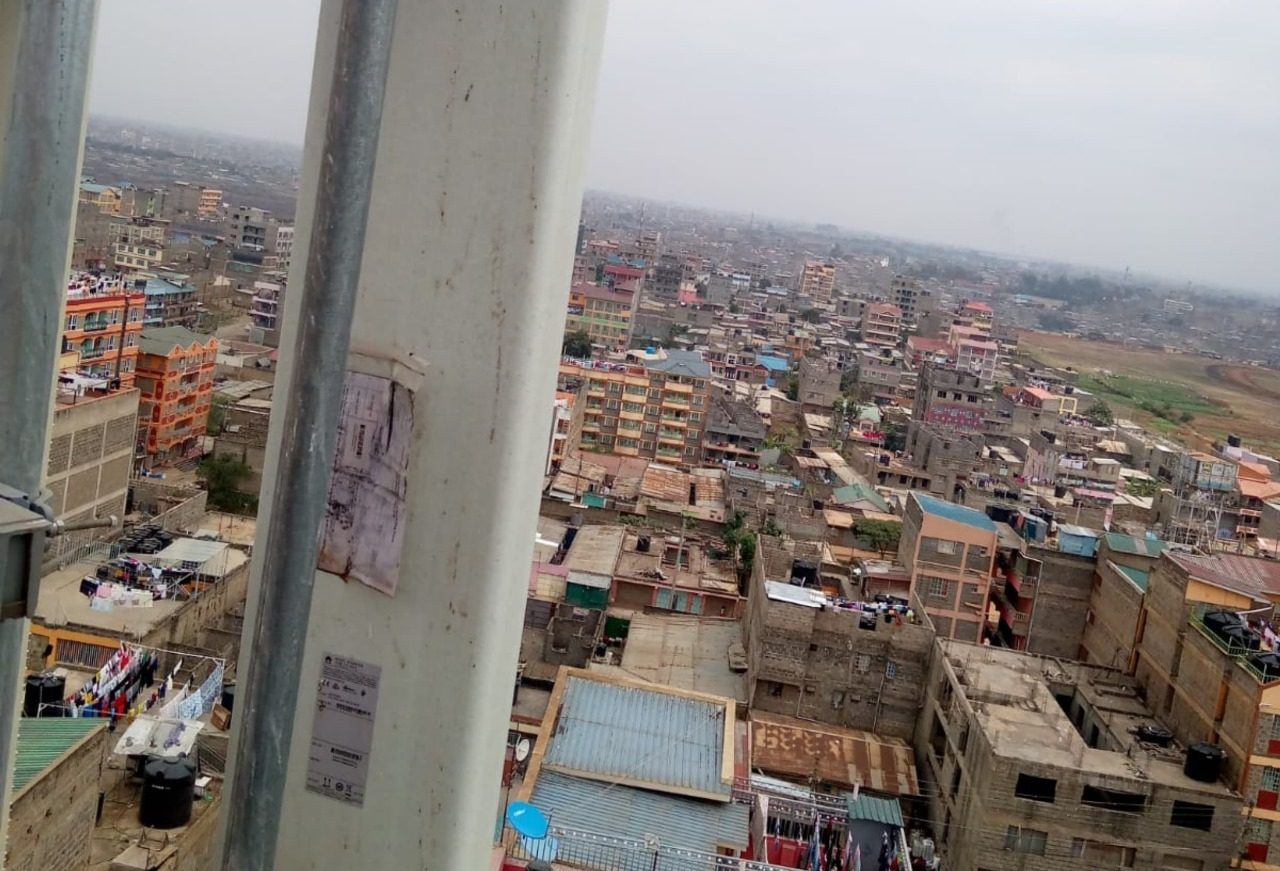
(342, 729)
(364, 522)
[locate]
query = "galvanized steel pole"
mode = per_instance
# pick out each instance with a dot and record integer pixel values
(51, 42)
(270, 689)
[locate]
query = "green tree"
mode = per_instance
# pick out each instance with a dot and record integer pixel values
(881, 535)
(217, 415)
(1100, 414)
(746, 557)
(222, 476)
(577, 344)
(811, 315)
(895, 438)
(793, 388)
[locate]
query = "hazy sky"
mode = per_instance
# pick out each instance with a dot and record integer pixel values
(1143, 133)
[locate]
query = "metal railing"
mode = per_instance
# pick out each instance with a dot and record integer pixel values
(575, 848)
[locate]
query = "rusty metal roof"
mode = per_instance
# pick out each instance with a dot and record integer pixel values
(789, 747)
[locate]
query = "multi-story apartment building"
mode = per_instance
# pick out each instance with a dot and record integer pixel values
(914, 301)
(210, 203)
(1201, 655)
(817, 280)
(171, 301)
(104, 318)
(139, 255)
(819, 384)
(266, 306)
(952, 400)
(1041, 764)
(735, 433)
(976, 355)
(101, 197)
(654, 406)
(566, 421)
(949, 551)
(603, 313)
(175, 375)
(882, 325)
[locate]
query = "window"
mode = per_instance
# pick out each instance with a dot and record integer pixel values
(650, 427)
(1257, 839)
(1113, 800)
(891, 669)
(864, 662)
(72, 321)
(943, 545)
(1036, 788)
(1271, 779)
(938, 588)
(1102, 855)
(1190, 815)
(651, 409)
(1022, 840)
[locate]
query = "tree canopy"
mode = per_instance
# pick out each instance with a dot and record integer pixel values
(881, 535)
(222, 476)
(1100, 414)
(577, 344)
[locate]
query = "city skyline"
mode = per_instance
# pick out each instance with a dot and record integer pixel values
(1140, 137)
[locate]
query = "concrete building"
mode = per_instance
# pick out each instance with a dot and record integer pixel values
(950, 552)
(1039, 765)
(603, 313)
(171, 301)
(684, 575)
(103, 198)
(266, 308)
(209, 206)
(1043, 593)
(819, 382)
(654, 406)
(1206, 672)
(882, 325)
(735, 433)
(817, 280)
(1117, 604)
(914, 301)
(244, 436)
(175, 375)
(91, 453)
(951, 400)
(104, 316)
(566, 422)
(810, 658)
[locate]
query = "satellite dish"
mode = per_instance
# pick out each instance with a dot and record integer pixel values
(528, 820)
(522, 749)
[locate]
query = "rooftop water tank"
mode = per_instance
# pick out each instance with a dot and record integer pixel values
(168, 792)
(1204, 762)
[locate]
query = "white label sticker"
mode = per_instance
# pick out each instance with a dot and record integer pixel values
(342, 729)
(364, 522)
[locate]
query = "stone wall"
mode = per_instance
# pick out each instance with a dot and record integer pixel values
(1062, 603)
(51, 820)
(172, 507)
(1114, 611)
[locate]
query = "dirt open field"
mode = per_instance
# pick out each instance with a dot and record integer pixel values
(1219, 397)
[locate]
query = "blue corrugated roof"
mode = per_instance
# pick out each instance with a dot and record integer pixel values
(635, 813)
(773, 364)
(1121, 543)
(878, 810)
(43, 741)
(607, 730)
(951, 511)
(1138, 576)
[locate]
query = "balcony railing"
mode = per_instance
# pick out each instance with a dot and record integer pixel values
(580, 849)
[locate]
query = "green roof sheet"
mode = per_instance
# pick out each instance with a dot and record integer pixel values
(885, 811)
(43, 741)
(1130, 544)
(1138, 576)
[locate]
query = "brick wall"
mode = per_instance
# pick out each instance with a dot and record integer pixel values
(51, 820)
(1115, 608)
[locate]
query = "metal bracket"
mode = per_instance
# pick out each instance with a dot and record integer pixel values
(24, 523)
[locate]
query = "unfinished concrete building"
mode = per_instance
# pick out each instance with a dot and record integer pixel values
(1036, 764)
(810, 655)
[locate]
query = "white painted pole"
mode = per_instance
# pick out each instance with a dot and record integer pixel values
(466, 267)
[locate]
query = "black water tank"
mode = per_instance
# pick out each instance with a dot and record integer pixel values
(642, 544)
(168, 792)
(1153, 734)
(1216, 620)
(44, 689)
(1241, 636)
(1204, 762)
(229, 696)
(1268, 664)
(1233, 440)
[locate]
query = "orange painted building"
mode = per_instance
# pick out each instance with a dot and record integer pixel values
(101, 328)
(175, 375)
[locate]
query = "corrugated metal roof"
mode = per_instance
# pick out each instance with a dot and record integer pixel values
(42, 742)
(1122, 543)
(794, 748)
(634, 813)
(659, 739)
(878, 810)
(1138, 576)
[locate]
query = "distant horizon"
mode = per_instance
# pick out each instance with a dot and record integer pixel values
(1196, 284)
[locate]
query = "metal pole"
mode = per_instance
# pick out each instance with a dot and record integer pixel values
(310, 433)
(40, 144)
